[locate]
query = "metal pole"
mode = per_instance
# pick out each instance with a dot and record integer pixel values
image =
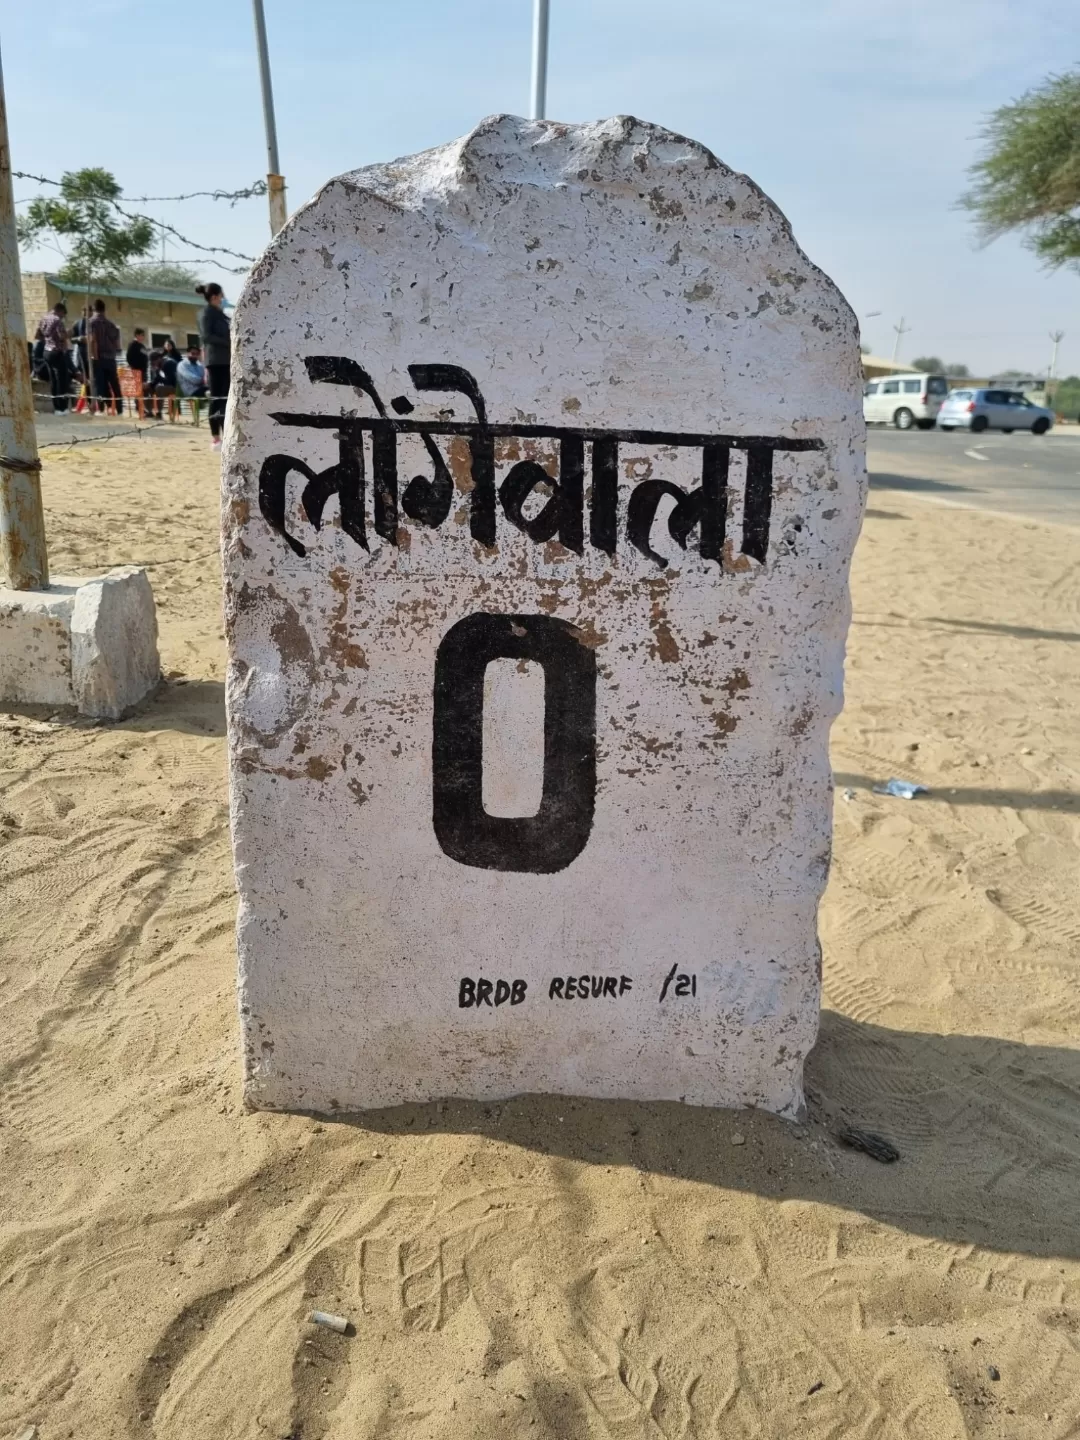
(901, 330)
(275, 181)
(22, 521)
(1056, 336)
(539, 59)
(88, 374)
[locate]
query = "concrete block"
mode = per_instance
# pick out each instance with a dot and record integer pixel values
(114, 655)
(544, 471)
(35, 644)
(88, 643)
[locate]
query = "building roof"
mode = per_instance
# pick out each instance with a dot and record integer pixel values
(126, 292)
(880, 364)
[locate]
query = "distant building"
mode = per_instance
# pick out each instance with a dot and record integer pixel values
(874, 366)
(163, 314)
(1033, 386)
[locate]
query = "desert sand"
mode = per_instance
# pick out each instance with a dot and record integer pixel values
(547, 1267)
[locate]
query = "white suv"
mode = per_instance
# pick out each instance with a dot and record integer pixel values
(905, 400)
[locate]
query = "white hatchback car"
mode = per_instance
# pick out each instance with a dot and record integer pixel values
(905, 400)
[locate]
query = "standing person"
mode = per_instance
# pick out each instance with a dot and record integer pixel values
(78, 331)
(104, 348)
(191, 375)
(214, 330)
(169, 350)
(57, 353)
(139, 362)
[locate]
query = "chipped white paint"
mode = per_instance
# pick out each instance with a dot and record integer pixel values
(35, 645)
(87, 643)
(610, 277)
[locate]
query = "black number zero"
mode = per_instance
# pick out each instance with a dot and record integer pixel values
(557, 833)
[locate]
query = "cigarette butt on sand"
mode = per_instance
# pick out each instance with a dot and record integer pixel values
(331, 1322)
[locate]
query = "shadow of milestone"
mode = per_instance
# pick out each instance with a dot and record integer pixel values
(1018, 632)
(879, 480)
(986, 1128)
(1065, 802)
(192, 707)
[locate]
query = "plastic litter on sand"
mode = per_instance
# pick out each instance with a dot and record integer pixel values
(902, 789)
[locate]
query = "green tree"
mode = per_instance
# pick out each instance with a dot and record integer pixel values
(958, 372)
(157, 275)
(1066, 397)
(85, 222)
(930, 363)
(1029, 176)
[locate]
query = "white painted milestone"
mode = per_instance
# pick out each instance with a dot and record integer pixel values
(543, 475)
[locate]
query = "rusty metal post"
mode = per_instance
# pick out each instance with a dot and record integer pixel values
(275, 181)
(279, 210)
(22, 521)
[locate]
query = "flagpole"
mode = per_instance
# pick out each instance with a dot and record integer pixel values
(539, 59)
(275, 181)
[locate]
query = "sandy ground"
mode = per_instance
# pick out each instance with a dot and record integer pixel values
(548, 1267)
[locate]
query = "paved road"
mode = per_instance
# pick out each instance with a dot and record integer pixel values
(1020, 474)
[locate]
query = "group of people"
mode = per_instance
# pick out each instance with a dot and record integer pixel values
(167, 374)
(93, 346)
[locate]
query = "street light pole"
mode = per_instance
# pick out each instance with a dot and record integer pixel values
(22, 520)
(539, 59)
(1056, 337)
(901, 331)
(275, 181)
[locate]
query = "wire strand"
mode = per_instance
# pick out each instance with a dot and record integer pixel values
(159, 224)
(249, 192)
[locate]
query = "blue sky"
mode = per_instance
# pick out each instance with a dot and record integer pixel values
(858, 118)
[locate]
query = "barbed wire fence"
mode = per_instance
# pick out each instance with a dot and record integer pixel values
(232, 196)
(101, 437)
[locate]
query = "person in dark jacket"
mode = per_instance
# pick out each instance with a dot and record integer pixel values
(216, 344)
(139, 362)
(167, 363)
(163, 384)
(136, 355)
(80, 356)
(104, 345)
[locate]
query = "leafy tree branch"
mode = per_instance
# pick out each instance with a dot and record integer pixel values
(1029, 176)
